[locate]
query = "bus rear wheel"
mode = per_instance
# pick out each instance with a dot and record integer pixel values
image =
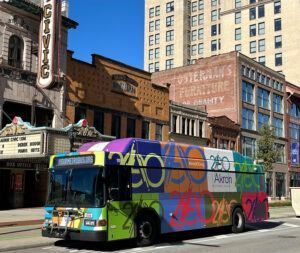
(238, 221)
(146, 231)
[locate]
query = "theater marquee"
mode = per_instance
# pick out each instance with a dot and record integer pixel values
(49, 44)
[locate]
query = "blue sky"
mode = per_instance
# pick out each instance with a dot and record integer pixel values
(112, 28)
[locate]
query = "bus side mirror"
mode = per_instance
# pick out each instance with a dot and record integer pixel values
(114, 194)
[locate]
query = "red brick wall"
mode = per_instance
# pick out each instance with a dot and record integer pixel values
(211, 81)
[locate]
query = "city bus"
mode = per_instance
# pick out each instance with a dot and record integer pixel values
(135, 188)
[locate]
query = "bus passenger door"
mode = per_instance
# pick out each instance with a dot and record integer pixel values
(120, 225)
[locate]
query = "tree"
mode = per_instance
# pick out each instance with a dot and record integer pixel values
(266, 149)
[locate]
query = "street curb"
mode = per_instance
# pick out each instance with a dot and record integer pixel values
(29, 246)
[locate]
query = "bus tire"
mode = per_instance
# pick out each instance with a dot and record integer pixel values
(238, 221)
(147, 231)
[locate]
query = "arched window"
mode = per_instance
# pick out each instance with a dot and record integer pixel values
(15, 51)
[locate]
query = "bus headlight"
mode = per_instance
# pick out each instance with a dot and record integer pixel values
(48, 221)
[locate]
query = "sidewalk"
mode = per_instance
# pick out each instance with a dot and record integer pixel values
(21, 228)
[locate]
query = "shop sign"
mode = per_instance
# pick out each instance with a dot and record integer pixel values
(47, 44)
(21, 145)
(295, 153)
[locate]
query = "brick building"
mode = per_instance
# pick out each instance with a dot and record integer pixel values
(223, 133)
(293, 126)
(117, 99)
(245, 91)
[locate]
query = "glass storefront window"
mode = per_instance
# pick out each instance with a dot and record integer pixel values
(294, 179)
(280, 184)
(269, 183)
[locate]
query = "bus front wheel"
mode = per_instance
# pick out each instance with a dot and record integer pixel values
(238, 221)
(146, 231)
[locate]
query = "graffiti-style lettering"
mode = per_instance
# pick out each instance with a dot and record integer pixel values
(223, 209)
(220, 163)
(258, 209)
(247, 180)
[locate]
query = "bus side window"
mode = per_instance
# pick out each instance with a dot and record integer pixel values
(119, 186)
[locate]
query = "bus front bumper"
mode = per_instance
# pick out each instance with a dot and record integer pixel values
(80, 235)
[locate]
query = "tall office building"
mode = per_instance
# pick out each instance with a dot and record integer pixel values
(177, 33)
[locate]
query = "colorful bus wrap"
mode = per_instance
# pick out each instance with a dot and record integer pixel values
(134, 188)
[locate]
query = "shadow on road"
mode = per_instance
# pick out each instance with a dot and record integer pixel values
(174, 239)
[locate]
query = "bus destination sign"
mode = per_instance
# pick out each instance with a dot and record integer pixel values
(73, 160)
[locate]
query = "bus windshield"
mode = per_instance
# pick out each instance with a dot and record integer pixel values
(80, 187)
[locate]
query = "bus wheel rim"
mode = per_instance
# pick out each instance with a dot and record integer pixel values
(146, 229)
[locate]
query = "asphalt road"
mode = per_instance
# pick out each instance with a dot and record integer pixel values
(281, 235)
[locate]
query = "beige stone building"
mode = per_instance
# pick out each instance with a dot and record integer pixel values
(264, 30)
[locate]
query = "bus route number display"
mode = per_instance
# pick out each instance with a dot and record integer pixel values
(73, 160)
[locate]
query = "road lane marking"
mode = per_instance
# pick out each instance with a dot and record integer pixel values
(221, 236)
(47, 247)
(291, 225)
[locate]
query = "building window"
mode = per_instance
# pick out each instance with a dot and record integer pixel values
(194, 20)
(261, 28)
(145, 130)
(262, 60)
(261, 45)
(157, 52)
(252, 74)
(80, 113)
(99, 121)
(238, 48)
(151, 40)
(170, 64)
(238, 17)
(263, 98)
(247, 92)
(252, 13)
(170, 6)
(294, 131)
(201, 4)
(224, 144)
(116, 126)
(156, 66)
(130, 127)
(188, 49)
(261, 11)
(200, 33)
(213, 2)
(238, 33)
(249, 147)
(194, 35)
(252, 30)
(151, 12)
(170, 35)
(169, 50)
(215, 142)
(232, 145)
(277, 103)
(248, 119)
(170, 21)
(174, 124)
(238, 3)
(157, 38)
(252, 1)
(281, 148)
(157, 24)
(277, 24)
(189, 35)
(214, 15)
(262, 120)
(278, 59)
(278, 127)
(15, 51)
(277, 7)
(201, 19)
(194, 50)
(194, 6)
(158, 132)
(213, 45)
(151, 67)
(200, 129)
(213, 30)
(200, 48)
(151, 26)
(157, 10)
(151, 54)
(294, 111)
(278, 41)
(252, 47)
